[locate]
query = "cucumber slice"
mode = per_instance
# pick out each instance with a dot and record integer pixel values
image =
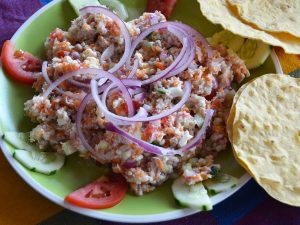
(114, 5)
(78, 4)
(193, 196)
(228, 39)
(254, 53)
(19, 140)
(221, 182)
(43, 162)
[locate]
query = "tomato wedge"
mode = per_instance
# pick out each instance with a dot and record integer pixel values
(105, 192)
(166, 7)
(20, 65)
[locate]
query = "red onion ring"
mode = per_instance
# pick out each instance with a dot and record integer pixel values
(73, 82)
(78, 124)
(165, 72)
(188, 57)
(121, 120)
(140, 96)
(134, 69)
(44, 72)
(135, 90)
(79, 84)
(122, 26)
(141, 113)
(48, 81)
(196, 35)
(157, 150)
(99, 74)
(107, 53)
(184, 58)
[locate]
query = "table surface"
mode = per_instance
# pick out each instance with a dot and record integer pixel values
(19, 203)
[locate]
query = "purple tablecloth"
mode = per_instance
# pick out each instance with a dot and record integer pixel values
(249, 206)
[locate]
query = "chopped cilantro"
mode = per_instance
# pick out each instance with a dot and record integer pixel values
(155, 143)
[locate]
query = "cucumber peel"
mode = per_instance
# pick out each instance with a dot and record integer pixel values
(113, 5)
(221, 182)
(193, 196)
(253, 52)
(228, 39)
(19, 140)
(116, 6)
(78, 4)
(42, 162)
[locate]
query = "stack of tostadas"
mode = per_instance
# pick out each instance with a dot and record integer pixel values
(275, 22)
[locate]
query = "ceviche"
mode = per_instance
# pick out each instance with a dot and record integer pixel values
(149, 98)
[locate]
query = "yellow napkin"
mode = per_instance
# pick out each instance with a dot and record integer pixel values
(21, 205)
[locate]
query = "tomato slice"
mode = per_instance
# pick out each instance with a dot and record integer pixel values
(20, 65)
(105, 192)
(166, 7)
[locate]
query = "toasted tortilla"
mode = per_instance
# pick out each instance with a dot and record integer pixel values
(270, 15)
(218, 11)
(266, 134)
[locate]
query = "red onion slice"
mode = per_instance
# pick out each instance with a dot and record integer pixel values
(44, 72)
(163, 73)
(99, 74)
(157, 150)
(107, 53)
(141, 113)
(122, 26)
(178, 64)
(145, 145)
(196, 35)
(201, 133)
(189, 54)
(134, 69)
(79, 84)
(47, 79)
(79, 115)
(73, 82)
(135, 90)
(121, 120)
(140, 97)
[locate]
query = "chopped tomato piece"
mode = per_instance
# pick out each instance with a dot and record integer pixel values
(20, 65)
(166, 7)
(136, 105)
(148, 131)
(105, 192)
